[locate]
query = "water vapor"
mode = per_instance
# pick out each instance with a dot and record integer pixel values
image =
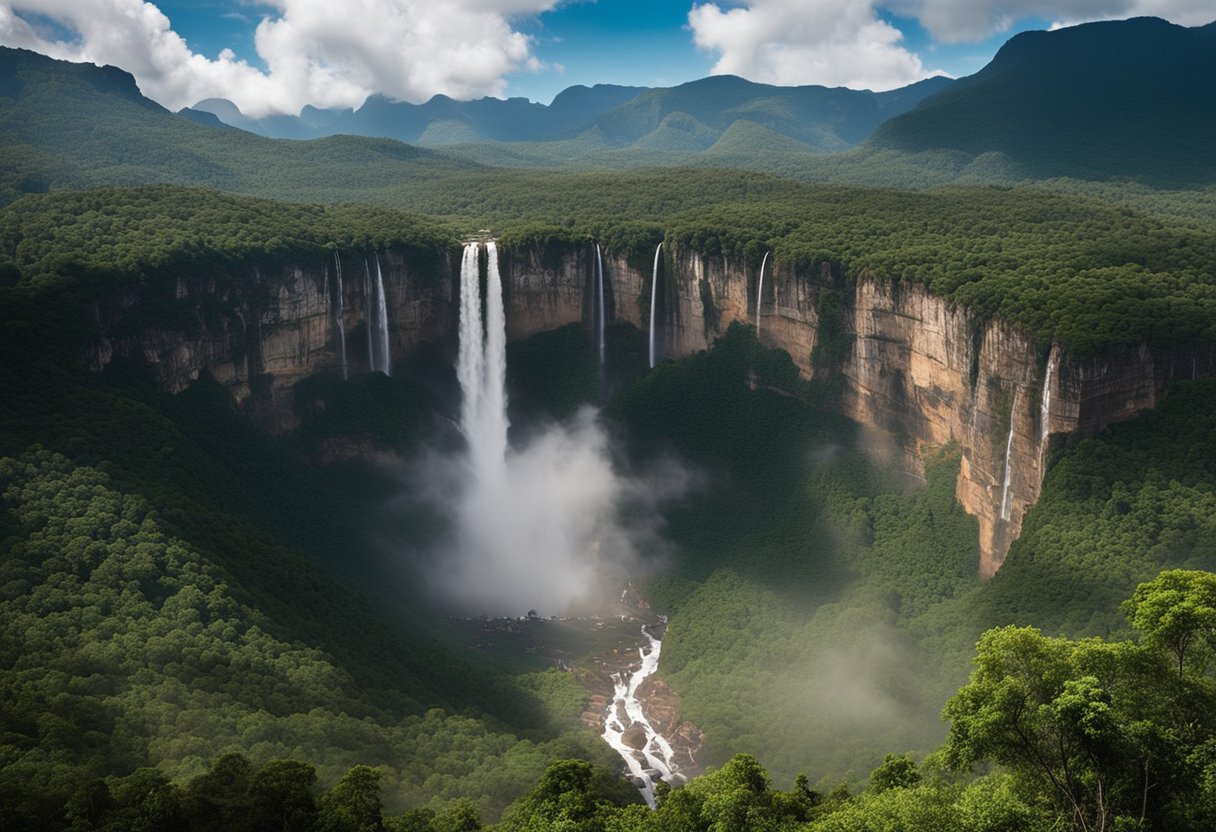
(558, 527)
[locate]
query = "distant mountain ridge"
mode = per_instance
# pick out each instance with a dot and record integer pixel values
(1131, 98)
(688, 117)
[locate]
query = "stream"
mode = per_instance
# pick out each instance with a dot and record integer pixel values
(653, 760)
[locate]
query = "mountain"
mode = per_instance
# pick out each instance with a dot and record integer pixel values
(74, 125)
(822, 117)
(486, 119)
(830, 118)
(1133, 98)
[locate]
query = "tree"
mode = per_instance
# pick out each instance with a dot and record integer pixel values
(1026, 708)
(353, 804)
(1177, 612)
(282, 799)
(898, 771)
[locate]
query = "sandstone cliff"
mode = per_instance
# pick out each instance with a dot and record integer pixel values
(915, 369)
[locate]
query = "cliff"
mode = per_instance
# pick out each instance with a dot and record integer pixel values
(913, 368)
(260, 332)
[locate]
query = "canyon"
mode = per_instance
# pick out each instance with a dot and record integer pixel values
(918, 372)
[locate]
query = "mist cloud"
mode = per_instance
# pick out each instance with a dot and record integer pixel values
(559, 527)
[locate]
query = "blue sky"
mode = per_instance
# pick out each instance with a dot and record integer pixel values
(275, 56)
(633, 42)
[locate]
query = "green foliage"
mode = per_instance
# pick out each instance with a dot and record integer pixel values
(1177, 611)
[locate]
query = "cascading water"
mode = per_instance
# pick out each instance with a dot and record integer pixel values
(600, 320)
(625, 712)
(340, 315)
(386, 364)
(1053, 363)
(482, 367)
(368, 314)
(1006, 502)
(654, 296)
(760, 290)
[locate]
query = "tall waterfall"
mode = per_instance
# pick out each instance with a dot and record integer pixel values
(482, 365)
(654, 296)
(599, 282)
(1053, 365)
(760, 289)
(385, 359)
(340, 315)
(1006, 502)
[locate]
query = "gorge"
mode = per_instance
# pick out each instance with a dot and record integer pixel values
(919, 371)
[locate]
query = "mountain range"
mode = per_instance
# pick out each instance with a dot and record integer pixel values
(1126, 100)
(690, 116)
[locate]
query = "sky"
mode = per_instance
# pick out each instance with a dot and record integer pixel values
(276, 56)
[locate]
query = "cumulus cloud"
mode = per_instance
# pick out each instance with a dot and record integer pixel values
(955, 21)
(316, 51)
(838, 43)
(847, 43)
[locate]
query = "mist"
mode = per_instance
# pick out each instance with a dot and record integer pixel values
(555, 528)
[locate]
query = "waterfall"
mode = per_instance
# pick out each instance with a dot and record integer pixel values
(368, 314)
(625, 711)
(654, 296)
(760, 290)
(1053, 363)
(1006, 502)
(386, 362)
(599, 275)
(340, 315)
(482, 366)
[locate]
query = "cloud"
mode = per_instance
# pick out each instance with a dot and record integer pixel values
(955, 21)
(842, 43)
(316, 52)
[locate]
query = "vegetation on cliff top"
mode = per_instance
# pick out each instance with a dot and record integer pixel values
(1087, 273)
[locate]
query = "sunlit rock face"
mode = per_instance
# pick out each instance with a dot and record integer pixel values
(919, 371)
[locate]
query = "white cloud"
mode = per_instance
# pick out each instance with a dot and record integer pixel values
(954, 21)
(318, 52)
(829, 42)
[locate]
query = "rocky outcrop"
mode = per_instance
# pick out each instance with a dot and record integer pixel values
(918, 371)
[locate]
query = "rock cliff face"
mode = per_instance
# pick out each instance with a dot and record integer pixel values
(260, 332)
(916, 370)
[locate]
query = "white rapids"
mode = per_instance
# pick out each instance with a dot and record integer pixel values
(625, 712)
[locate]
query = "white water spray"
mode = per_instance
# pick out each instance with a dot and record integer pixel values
(340, 315)
(1006, 502)
(626, 711)
(654, 295)
(1053, 363)
(386, 363)
(760, 290)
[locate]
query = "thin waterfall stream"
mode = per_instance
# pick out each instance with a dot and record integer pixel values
(760, 289)
(340, 315)
(1006, 502)
(601, 315)
(654, 296)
